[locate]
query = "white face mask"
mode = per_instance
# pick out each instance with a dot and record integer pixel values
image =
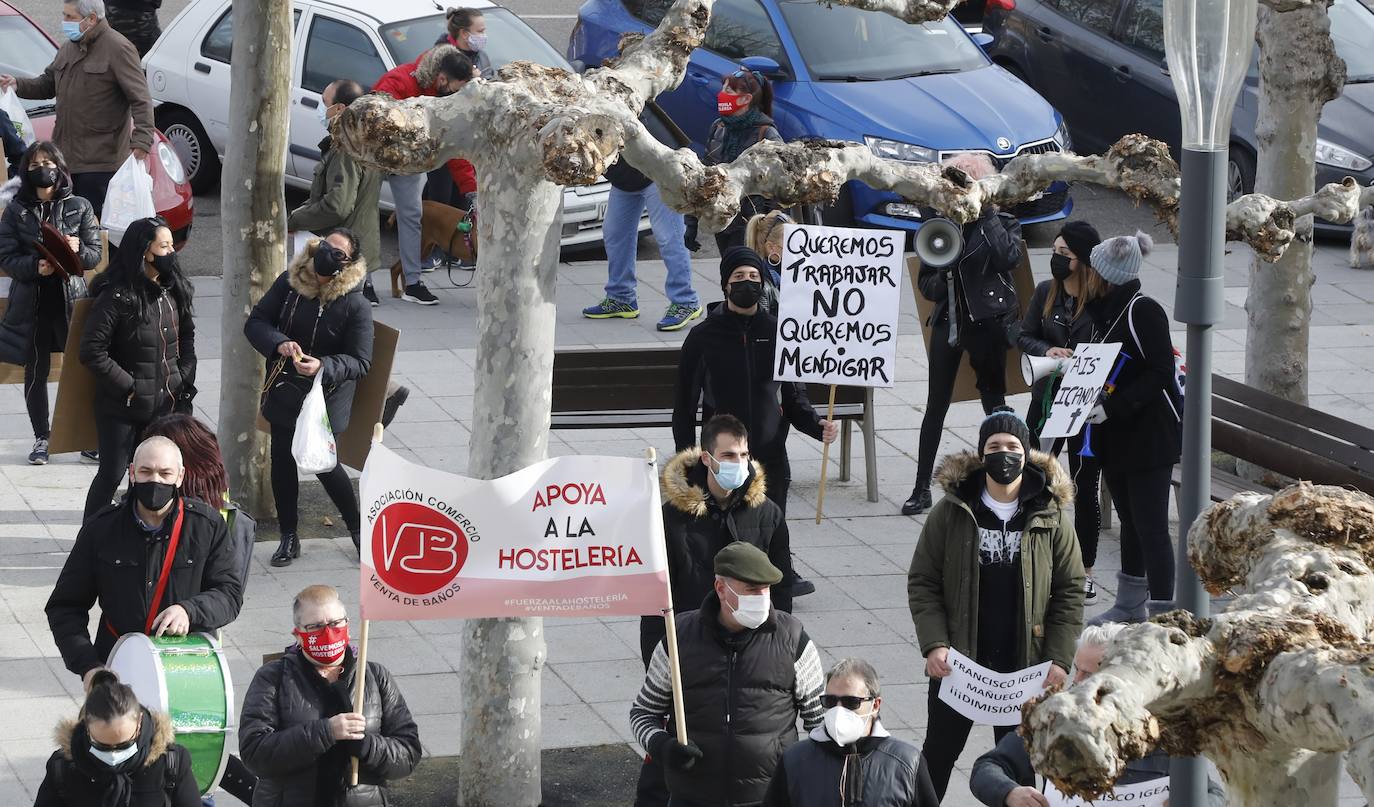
(846, 727)
(752, 610)
(115, 758)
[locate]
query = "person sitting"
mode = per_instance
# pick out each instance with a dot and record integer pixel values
(298, 730)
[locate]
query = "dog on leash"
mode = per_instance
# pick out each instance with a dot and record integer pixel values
(439, 227)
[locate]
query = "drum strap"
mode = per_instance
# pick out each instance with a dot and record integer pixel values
(166, 567)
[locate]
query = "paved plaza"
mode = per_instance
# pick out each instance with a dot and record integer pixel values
(857, 557)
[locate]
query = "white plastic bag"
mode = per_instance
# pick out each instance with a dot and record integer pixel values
(12, 106)
(129, 198)
(313, 444)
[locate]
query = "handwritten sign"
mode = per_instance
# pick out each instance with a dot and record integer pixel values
(837, 317)
(989, 698)
(1089, 371)
(1150, 793)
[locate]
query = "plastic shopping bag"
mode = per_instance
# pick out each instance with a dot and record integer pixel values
(12, 106)
(313, 445)
(129, 198)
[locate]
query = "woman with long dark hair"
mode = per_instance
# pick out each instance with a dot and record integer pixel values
(117, 754)
(35, 322)
(140, 345)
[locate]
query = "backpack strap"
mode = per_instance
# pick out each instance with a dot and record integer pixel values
(171, 767)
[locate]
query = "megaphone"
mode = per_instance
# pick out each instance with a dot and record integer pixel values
(1034, 368)
(939, 242)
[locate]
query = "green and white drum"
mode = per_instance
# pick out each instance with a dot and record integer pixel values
(187, 678)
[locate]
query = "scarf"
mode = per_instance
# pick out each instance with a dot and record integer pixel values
(119, 780)
(741, 132)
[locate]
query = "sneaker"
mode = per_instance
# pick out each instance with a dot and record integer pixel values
(39, 454)
(371, 295)
(417, 293)
(608, 308)
(393, 402)
(435, 261)
(677, 316)
(91, 456)
(1089, 590)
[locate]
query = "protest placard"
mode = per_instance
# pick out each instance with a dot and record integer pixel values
(1089, 370)
(986, 697)
(571, 536)
(1151, 793)
(837, 316)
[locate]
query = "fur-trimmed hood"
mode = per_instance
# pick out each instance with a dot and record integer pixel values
(306, 283)
(8, 191)
(679, 491)
(956, 470)
(427, 69)
(163, 737)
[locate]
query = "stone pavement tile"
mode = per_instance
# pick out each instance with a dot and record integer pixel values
(617, 717)
(843, 628)
(904, 705)
(899, 620)
(556, 693)
(577, 725)
(68, 680)
(431, 694)
(12, 792)
(589, 642)
(832, 561)
(458, 407)
(896, 663)
(807, 533)
(40, 718)
(873, 590)
(448, 434)
(25, 678)
(15, 643)
(899, 554)
(879, 529)
(441, 735)
(828, 596)
(598, 681)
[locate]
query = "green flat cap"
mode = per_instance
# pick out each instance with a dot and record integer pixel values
(747, 563)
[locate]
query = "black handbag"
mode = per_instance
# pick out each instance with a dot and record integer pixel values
(284, 391)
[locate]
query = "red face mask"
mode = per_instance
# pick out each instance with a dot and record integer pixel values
(728, 104)
(325, 646)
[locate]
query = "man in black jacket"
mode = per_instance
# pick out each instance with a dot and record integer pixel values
(727, 368)
(119, 561)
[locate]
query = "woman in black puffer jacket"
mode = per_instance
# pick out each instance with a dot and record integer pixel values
(36, 320)
(314, 319)
(139, 343)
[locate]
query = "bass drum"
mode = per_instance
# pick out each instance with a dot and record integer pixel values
(186, 678)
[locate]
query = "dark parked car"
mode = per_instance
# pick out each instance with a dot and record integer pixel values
(1101, 64)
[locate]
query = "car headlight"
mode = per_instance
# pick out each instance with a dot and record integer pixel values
(896, 150)
(1340, 157)
(170, 163)
(1061, 136)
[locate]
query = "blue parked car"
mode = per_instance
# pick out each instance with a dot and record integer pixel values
(910, 92)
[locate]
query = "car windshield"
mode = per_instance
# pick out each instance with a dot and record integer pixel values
(839, 43)
(508, 39)
(24, 52)
(1352, 28)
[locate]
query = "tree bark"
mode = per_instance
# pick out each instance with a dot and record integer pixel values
(253, 210)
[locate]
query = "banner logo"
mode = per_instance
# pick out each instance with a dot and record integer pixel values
(417, 549)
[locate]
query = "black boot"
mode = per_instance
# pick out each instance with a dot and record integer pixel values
(920, 500)
(288, 550)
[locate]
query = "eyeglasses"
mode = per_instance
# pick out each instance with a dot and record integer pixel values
(850, 702)
(127, 744)
(314, 626)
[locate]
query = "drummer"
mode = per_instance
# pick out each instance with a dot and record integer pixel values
(157, 563)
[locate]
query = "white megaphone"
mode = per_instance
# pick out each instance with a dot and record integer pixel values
(1034, 368)
(939, 242)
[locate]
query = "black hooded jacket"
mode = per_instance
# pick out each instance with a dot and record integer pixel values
(728, 359)
(76, 779)
(1040, 332)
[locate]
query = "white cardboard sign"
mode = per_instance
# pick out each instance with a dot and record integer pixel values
(1089, 371)
(837, 316)
(1151, 793)
(986, 697)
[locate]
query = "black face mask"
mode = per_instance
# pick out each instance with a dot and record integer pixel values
(166, 264)
(745, 293)
(1003, 467)
(1060, 267)
(153, 495)
(43, 176)
(328, 261)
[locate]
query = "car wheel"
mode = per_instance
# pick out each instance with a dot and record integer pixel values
(193, 148)
(1240, 173)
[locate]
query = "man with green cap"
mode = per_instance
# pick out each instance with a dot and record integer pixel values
(748, 671)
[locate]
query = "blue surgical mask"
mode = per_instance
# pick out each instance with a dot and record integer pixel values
(115, 758)
(731, 474)
(324, 116)
(72, 30)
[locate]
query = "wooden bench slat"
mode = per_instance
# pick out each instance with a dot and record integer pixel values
(1314, 419)
(1294, 437)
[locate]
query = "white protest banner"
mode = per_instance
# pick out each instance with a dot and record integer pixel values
(1089, 371)
(1151, 793)
(837, 317)
(571, 536)
(989, 698)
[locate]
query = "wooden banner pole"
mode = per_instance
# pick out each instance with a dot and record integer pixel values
(825, 457)
(679, 710)
(360, 694)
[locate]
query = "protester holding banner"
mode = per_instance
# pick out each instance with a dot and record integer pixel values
(1137, 431)
(39, 311)
(975, 312)
(749, 672)
(314, 319)
(158, 562)
(1055, 323)
(139, 343)
(726, 367)
(851, 754)
(1000, 545)
(117, 752)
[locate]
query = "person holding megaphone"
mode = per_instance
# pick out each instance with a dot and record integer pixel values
(1056, 322)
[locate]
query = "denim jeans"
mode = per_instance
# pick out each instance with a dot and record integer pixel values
(621, 232)
(406, 192)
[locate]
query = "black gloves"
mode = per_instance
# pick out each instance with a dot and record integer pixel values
(689, 237)
(665, 748)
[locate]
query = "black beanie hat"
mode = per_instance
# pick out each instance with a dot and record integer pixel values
(1004, 420)
(1081, 237)
(738, 256)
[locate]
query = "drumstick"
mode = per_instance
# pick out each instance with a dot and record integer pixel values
(358, 696)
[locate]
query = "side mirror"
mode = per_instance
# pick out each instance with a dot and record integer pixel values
(765, 66)
(982, 39)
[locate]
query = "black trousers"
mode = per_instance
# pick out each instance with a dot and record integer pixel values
(117, 440)
(1087, 502)
(36, 377)
(286, 490)
(91, 186)
(987, 352)
(777, 472)
(139, 27)
(440, 187)
(946, 733)
(1147, 549)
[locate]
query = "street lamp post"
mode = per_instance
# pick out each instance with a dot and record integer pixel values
(1208, 45)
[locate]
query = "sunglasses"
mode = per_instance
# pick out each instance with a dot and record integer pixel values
(850, 702)
(124, 746)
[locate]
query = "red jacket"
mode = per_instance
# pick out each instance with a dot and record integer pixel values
(399, 82)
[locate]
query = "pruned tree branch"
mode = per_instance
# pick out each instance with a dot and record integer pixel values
(912, 11)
